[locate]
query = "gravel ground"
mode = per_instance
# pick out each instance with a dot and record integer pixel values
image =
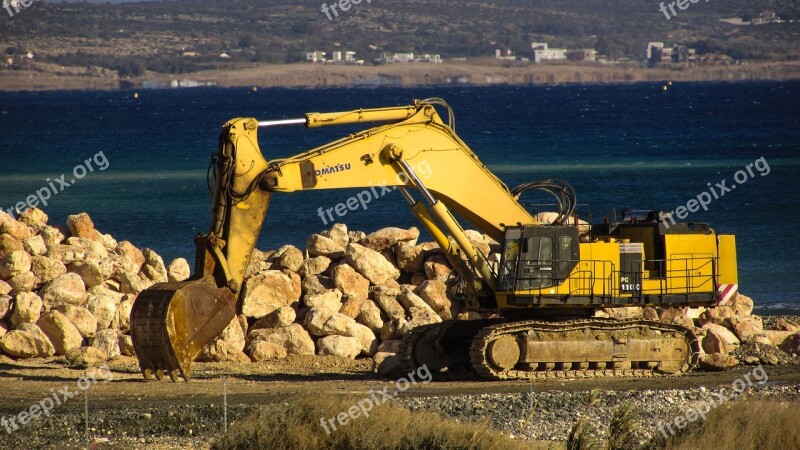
(555, 412)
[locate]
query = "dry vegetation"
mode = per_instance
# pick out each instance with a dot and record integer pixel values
(744, 425)
(295, 424)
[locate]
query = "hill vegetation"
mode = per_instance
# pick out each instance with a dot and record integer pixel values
(190, 35)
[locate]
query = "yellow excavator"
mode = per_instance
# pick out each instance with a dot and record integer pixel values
(549, 282)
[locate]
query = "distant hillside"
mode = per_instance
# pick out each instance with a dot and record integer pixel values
(189, 35)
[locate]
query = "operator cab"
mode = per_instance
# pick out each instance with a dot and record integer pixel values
(537, 257)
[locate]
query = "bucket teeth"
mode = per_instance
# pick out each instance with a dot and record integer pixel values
(171, 323)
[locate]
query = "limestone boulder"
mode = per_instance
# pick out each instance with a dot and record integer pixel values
(266, 351)
(266, 292)
(153, 268)
(320, 322)
(9, 243)
(23, 282)
(777, 337)
(350, 282)
(259, 262)
(417, 278)
(366, 338)
(330, 300)
(371, 264)
(126, 345)
(434, 293)
(386, 298)
(33, 217)
(746, 326)
(46, 269)
(392, 329)
(294, 339)
(281, 317)
(338, 233)
(780, 324)
(5, 288)
(9, 225)
(86, 356)
(419, 317)
(178, 270)
(14, 263)
(623, 312)
(316, 284)
(353, 306)
(297, 282)
(314, 266)
(717, 315)
(92, 249)
(103, 303)
(344, 346)
(370, 316)
(649, 313)
(319, 245)
(741, 304)
(89, 271)
(678, 316)
(718, 362)
(67, 289)
(410, 258)
(132, 254)
(222, 351)
(719, 339)
(107, 341)
(289, 257)
(44, 348)
(19, 344)
(83, 320)
(81, 225)
(409, 300)
(27, 308)
(124, 312)
(5, 305)
(437, 268)
(387, 237)
(228, 346)
(61, 332)
(35, 245)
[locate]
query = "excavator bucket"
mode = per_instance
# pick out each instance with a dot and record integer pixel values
(171, 323)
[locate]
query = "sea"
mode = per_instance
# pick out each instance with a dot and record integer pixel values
(646, 146)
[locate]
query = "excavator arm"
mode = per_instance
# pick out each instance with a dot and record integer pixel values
(415, 152)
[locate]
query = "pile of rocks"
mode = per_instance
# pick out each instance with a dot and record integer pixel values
(69, 291)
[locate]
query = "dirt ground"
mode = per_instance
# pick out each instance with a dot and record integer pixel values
(153, 414)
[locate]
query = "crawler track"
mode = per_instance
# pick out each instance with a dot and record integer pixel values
(466, 348)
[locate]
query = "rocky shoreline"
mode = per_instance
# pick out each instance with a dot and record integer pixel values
(68, 291)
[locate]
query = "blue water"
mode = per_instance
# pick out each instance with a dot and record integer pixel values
(621, 146)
